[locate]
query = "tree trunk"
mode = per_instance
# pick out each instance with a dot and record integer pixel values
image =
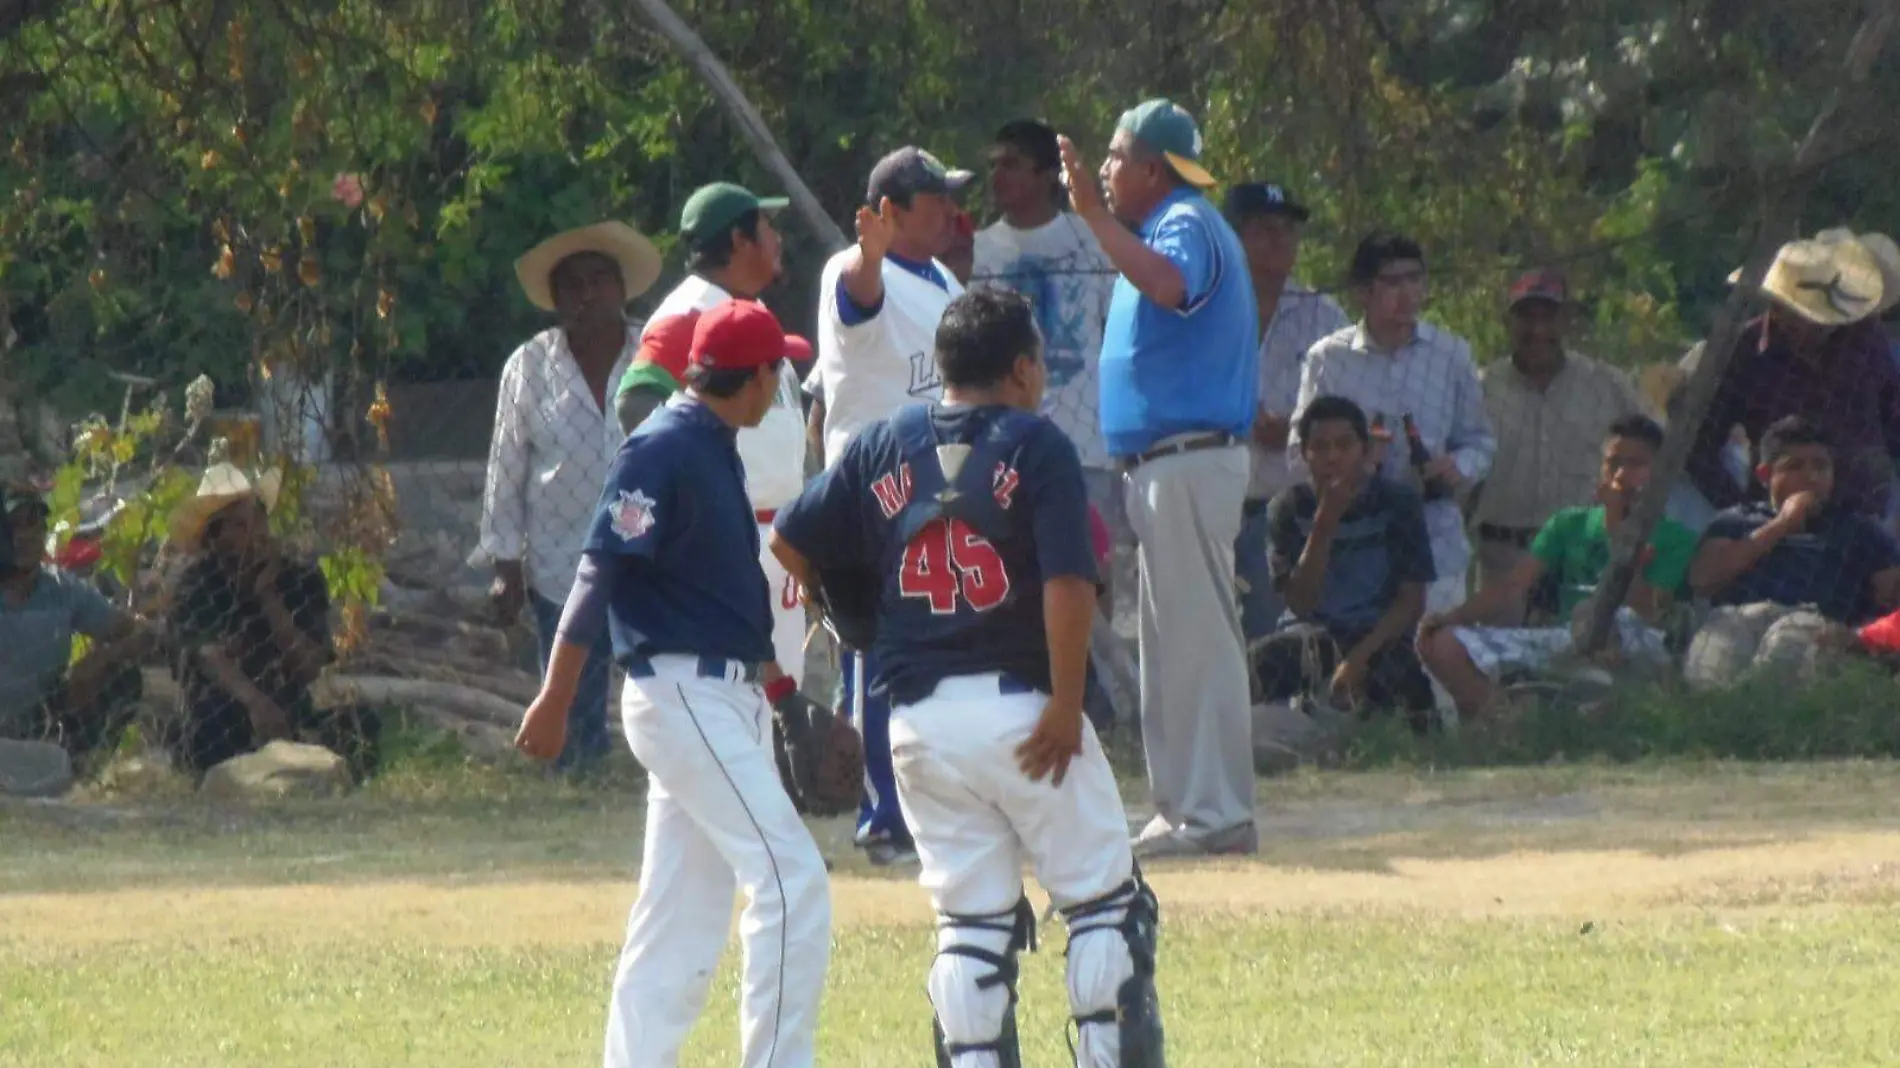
(751, 123)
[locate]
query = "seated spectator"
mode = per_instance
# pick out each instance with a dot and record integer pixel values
(1351, 556)
(1574, 546)
(44, 696)
(1802, 547)
(252, 632)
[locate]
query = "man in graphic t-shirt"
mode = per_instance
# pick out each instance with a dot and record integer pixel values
(879, 303)
(1043, 251)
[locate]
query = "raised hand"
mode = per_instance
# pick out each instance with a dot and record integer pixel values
(877, 229)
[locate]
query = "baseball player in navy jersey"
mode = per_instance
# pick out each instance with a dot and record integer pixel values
(671, 569)
(975, 514)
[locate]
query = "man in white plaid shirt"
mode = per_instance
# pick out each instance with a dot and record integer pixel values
(1393, 364)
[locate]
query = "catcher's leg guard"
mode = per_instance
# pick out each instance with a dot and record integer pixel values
(1111, 953)
(973, 985)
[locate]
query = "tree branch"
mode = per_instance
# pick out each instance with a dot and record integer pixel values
(751, 124)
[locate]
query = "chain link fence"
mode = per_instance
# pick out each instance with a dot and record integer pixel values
(304, 542)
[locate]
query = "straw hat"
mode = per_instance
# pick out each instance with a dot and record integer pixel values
(1832, 282)
(639, 261)
(223, 485)
(1886, 256)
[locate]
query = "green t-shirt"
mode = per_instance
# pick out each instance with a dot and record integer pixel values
(1575, 546)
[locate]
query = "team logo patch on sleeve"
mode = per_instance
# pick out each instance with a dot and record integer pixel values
(632, 514)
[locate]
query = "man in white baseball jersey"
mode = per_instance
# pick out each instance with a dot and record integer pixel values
(878, 307)
(970, 521)
(670, 569)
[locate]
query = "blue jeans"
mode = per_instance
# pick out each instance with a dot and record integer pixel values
(587, 717)
(1261, 606)
(879, 815)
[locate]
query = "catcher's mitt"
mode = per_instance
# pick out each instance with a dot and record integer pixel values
(820, 756)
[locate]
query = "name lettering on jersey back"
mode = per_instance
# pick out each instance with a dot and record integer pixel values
(893, 490)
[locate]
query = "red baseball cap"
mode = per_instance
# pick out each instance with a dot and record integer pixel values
(669, 343)
(1541, 284)
(738, 335)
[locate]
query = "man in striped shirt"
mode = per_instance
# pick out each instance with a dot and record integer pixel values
(1394, 364)
(1292, 319)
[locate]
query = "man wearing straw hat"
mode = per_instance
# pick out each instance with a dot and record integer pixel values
(252, 630)
(555, 437)
(1818, 351)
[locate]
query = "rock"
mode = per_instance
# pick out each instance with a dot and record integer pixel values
(150, 774)
(34, 769)
(279, 770)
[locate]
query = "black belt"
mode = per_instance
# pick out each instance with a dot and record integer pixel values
(710, 667)
(1194, 444)
(1521, 537)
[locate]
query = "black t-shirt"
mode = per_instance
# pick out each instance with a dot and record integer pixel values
(1831, 563)
(210, 609)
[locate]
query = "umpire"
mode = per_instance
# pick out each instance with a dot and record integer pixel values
(1178, 390)
(671, 568)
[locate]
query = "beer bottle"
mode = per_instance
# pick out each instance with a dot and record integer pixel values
(1433, 488)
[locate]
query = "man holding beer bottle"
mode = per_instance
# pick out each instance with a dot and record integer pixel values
(1399, 367)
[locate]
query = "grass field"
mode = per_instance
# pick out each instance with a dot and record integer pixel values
(1681, 914)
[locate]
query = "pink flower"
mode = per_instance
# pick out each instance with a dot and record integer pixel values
(348, 188)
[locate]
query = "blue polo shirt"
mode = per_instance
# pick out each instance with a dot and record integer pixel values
(1169, 371)
(683, 541)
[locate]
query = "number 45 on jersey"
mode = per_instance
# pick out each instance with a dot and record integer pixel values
(950, 565)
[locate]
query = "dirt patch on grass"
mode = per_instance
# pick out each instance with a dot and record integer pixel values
(1824, 869)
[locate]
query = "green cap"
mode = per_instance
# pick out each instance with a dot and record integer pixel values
(714, 208)
(1167, 128)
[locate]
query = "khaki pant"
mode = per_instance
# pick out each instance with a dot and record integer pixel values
(1196, 715)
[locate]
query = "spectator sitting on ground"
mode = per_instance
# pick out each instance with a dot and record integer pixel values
(1351, 556)
(44, 695)
(1802, 547)
(1574, 545)
(252, 631)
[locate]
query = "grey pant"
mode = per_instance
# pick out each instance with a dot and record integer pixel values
(1196, 723)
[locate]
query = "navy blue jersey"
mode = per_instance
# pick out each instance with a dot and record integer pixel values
(953, 601)
(684, 543)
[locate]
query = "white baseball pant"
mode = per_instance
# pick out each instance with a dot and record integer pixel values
(789, 624)
(718, 819)
(976, 817)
